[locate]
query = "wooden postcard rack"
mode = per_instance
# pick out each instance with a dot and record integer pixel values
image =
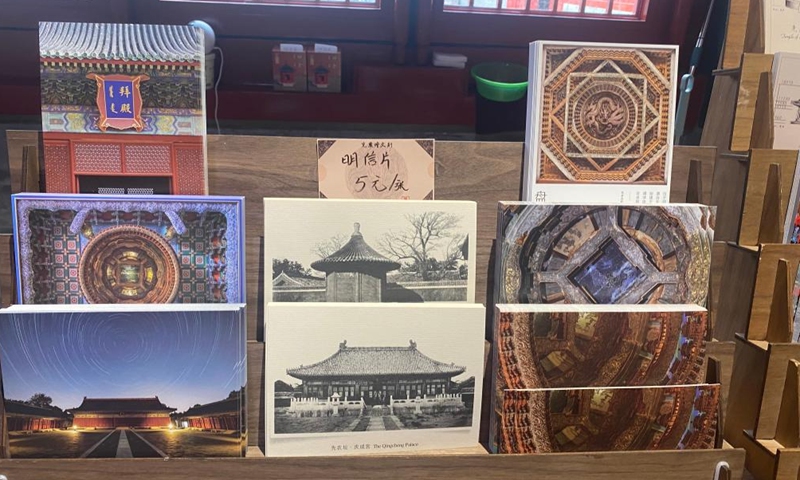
(758, 310)
(763, 416)
(483, 172)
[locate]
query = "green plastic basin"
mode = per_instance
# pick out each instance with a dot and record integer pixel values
(501, 82)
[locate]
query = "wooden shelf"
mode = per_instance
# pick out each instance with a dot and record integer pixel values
(669, 465)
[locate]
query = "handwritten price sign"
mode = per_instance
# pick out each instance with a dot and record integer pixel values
(376, 169)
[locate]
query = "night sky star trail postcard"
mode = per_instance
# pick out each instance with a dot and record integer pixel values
(124, 381)
(372, 378)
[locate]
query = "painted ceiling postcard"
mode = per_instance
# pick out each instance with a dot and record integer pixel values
(399, 169)
(603, 254)
(679, 417)
(372, 379)
(781, 24)
(369, 250)
(559, 346)
(600, 116)
(124, 381)
(123, 108)
(129, 249)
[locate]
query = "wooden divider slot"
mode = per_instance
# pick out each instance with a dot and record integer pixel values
(694, 188)
(779, 329)
(771, 230)
(788, 431)
(763, 135)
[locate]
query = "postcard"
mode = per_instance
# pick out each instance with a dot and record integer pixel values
(400, 169)
(600, 119)
(786, 96)
(679, 417)
(602, 254)
(372, 379)
(781, 24)
(369, 250)
(559, 346)
(124, 381)
(74, 249)
(123, 108)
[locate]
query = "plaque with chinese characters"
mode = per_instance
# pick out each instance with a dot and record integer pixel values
(119, 101)
(397, 169)
(600, 117)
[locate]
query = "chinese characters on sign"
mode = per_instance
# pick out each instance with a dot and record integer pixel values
(119, 101)
(363, 447)
(377, 183)
(384, 169)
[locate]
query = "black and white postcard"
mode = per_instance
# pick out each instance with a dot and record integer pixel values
(378, 251)
(372, 379)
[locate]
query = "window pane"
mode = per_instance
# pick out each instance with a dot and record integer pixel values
(596, 7)
(361, 4)
(625, 7)
(514, 4)
(572, 6)
(545, 5)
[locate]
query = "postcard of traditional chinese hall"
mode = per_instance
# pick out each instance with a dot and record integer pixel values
(372, 378)
(123, 108)
(132, 381)
(334, 250)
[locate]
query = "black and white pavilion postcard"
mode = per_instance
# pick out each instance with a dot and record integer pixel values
(326, 250)
(372, 378)
(124, 380)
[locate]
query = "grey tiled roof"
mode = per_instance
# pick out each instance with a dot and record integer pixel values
(150, 404)
(355, 253)
(126, 42)
(284, 280)
(229, 405)
(376, 361)
(19, 408)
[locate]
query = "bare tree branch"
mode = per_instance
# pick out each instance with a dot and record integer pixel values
(326, 247)
(425, 233)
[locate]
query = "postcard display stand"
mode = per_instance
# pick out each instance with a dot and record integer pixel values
(755, 295)
(461, 168)
(481, 172)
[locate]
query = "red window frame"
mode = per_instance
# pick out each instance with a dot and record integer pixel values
(555, 9)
